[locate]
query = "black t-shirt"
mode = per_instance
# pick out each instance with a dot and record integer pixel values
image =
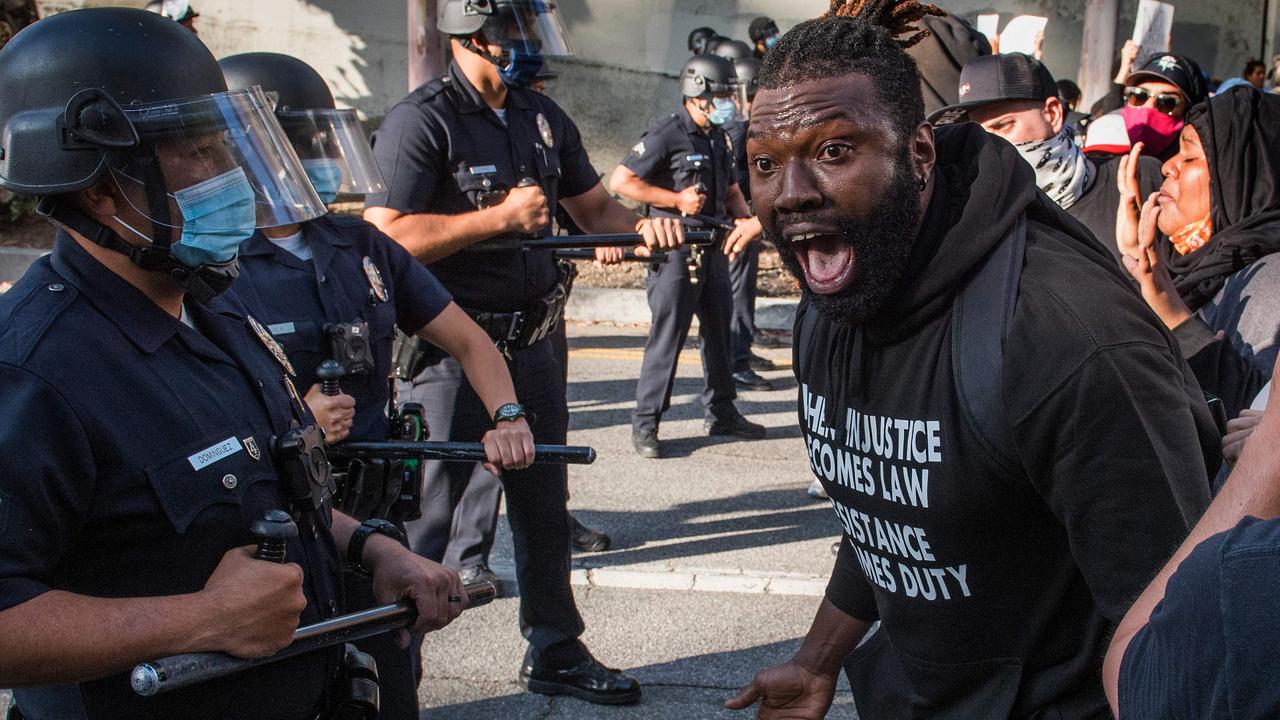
(1096, 209)
(997, 590)
(1209, 650)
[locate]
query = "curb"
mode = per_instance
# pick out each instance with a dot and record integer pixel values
(630, 306)
(697, 580)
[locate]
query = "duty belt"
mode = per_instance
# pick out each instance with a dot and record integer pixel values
(525, 328)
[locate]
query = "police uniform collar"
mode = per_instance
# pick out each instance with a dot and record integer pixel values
(691, 127)
(319, 229)
(471, 100)
(141, 320)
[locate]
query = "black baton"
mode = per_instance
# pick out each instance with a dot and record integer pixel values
(630, 256)
(455, 452)
(179, 671)
(576, 242)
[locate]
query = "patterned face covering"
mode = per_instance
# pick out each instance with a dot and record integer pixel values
(1062, 170)
(1192, 236)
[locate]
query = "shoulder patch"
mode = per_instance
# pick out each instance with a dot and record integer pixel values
(638, 149)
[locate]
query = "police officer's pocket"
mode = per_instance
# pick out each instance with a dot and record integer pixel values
(481, 185)
(213, 472)
(888, 683)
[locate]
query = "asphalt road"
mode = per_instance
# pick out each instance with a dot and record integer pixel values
(718, 563)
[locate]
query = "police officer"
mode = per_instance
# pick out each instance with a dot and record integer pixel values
(473, 162)
(323, 285)
(731, 50)
(744, 269)
(179, 11)
(699, 38)
(684, 166)
(763, 32)
(141, 405)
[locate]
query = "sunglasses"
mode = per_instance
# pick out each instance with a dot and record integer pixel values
(1165, 102)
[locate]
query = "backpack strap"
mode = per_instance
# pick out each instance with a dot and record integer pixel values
(980, 319)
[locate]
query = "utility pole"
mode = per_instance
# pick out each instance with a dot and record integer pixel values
(1099, 48)
(426, 49)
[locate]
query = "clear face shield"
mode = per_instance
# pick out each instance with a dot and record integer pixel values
(741, 100)
(214, 167)
(334, 151)
(529, 25)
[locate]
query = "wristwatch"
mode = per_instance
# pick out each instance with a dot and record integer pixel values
(355, 546)
(508, 413)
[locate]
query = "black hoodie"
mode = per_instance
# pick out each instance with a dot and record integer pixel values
(997, 591)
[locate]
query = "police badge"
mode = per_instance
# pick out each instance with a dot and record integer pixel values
(544, 127)
(376, 286)
(272, 346)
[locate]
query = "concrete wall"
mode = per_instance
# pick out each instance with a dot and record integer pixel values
(630, 50)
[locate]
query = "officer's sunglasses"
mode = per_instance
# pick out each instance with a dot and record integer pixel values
(1165, 102)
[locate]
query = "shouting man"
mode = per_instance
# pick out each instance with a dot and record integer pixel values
(1010, 440)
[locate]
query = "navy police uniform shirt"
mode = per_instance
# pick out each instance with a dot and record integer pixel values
(134, 452)
(442, 149)
(296, 299)
(737, 132)
(1209, 651)
(675, 154)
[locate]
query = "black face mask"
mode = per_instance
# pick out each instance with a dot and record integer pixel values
(882, 242)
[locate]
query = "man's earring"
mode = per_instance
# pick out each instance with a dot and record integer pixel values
(924, 183)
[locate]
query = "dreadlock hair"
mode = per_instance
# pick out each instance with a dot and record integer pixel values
(858, 36)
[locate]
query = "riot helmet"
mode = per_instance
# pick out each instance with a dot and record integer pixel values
(191, 168)
(525, 30)
(763, 31)
(747, 70)
(699, 38)
(732, 49)
(712, 82)
(330, 142)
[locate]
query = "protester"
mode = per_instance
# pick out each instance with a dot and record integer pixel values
(940, 56)
(1157, 98)
(1069, 93)
(1199, 642)
(1220, 207)
(1254, 73)
(1065, 450)
(1015, 97)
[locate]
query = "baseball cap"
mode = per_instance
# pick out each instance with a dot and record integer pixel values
(996, 78)
(1107, 135)
(1177, 70)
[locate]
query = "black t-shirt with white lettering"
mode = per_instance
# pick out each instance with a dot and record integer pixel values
(997, 590)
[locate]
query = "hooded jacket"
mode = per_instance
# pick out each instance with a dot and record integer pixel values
(997, 590)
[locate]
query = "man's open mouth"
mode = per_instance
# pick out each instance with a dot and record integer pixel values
(827, 259)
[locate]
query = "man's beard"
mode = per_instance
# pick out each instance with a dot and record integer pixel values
(882, 244)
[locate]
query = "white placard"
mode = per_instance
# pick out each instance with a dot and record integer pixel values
(989, 25)
(1019, 35)
(1152, 29)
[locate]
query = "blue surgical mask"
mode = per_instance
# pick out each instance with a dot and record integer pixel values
(770, 41)
(325, 175)
(523, 65)
(723, 110)
(218, 215)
